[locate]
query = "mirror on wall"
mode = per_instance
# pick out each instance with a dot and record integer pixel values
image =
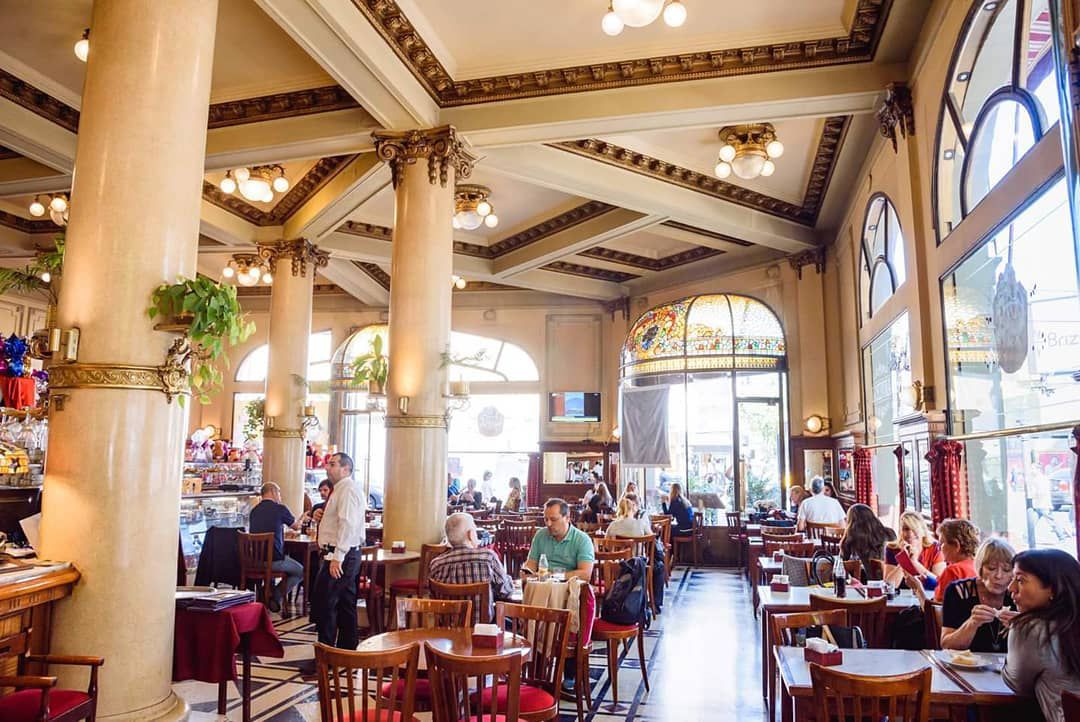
(562, 467)
(817, 462)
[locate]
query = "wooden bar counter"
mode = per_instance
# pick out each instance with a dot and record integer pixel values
(26, 603)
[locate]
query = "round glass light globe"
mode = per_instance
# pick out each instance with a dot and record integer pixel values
(46, 276)
(37, 209)
(748, 165)
(228, 272)
(775, 149)
(281, 184)
(768, 168)
(82, 49)
(483, 208)
(58, 204)
(675, 14)
(456, 221)
(241, 174)
(727, 152)
(227, 185)
(460, 283)
(245, 279)
(637, 13)
(268, 195)
(255, 272)
(491, 220)
(267, 278)
(471, 220)
(723, 169)
(611, 24)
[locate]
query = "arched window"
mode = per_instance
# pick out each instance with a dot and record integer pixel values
(254, 366)
(999, 100)
(882, 268)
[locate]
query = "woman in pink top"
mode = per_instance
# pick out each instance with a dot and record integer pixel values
(959, 541)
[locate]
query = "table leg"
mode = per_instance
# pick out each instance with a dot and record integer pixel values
(245, 652)
(786, 713)
(222, 692)
(764, 652)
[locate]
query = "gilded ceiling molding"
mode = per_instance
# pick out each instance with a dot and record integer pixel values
(698, 253)
(377, 274)
(38, 102)
(441, 146)
(472, 249)
(814, 257)
(485, 286)
(26, 225)
(367, 230)
(859, 45)
(576, 269)
(299, 251)
(707, 233)
(319, 175)
(280, 105)
(563, 221)
(820, 172)
(319, 289)
(896, 114)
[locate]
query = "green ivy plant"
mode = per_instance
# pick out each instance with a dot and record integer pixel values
(254, 416)
(371, 366)
(30, 278)
(216, 319)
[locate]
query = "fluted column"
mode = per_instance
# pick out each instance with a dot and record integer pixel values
(425, 165)
(293, 265)
(112, 491)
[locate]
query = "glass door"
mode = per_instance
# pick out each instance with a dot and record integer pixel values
(758, 438)
(363, 437)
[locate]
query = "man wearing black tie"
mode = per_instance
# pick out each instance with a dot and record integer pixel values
(341, 534)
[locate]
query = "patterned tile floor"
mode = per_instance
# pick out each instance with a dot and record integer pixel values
(703, 656)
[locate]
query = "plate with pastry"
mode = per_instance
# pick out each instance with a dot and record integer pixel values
(965, 659)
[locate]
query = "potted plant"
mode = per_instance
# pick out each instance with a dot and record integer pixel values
(254, 415)
(209, 314)
(42, 275)
(372, 368)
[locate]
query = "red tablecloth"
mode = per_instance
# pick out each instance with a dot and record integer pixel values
(19, 393)
(206, 643)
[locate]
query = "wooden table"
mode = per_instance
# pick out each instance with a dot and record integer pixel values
(951, 690)
(390, 558)
(26, 600)
(452, 641)
(755, 547)
(305, 549)
(797, 599)
(767, 568)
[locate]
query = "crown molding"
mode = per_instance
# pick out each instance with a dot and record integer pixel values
(8, 153)
(698, 253)
(707, 233)
(319, 289)
(859, 45)
(10, 220)
(563, 221)
(603, 274)
(828, 149)
(302, 191)
(38, 101)
(377, 274)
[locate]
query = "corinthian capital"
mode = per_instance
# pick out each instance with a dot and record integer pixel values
(298, 251)
(440, 146)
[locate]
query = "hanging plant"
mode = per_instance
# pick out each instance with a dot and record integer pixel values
(371, 368)
(210, 315)
(40, 276)
(254, 418)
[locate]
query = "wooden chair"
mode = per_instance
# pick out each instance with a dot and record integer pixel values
(548, 630)
(867, 614)
(932, 616)
(777, 529)
(580, 648)
(784, 626)
(792, 548)
(479, 594)
(645, 546)
(418, 586)
(512, 542)
(830, 542)
(614, 635)
(611, 544)
(796, 537)
(38, 693)
(369, 589)
(843, 696)
(616, 556)
(393, 670)
(1070, 705)
(417, 613)
(661, 524)
(454, 677)
(693, 541)
(815, 530)
(256, 556)
(737, 535)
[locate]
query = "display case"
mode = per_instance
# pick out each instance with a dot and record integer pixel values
(199, 512)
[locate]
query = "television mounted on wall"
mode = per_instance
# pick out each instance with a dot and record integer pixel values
(574, 407)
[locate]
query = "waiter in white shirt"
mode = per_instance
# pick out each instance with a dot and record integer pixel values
(820, 508)
(341, 534)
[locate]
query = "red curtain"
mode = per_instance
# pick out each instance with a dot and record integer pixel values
(948, 488)
(864, 478)
(1075, 448)
(899, 453)
(532, 485)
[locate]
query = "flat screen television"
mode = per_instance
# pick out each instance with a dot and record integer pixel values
(574, 407)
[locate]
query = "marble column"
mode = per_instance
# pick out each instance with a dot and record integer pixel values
(112, 491)
(425, 165)
(293, 265)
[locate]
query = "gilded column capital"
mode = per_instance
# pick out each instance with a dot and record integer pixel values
(441, 146)
(299, 251)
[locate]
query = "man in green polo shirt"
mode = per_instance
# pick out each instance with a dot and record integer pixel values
(567, 547)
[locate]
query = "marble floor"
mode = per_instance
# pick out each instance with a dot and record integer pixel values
(703, 655)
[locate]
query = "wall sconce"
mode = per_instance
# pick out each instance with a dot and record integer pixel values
(269, 421)
(458, 398)
(308, 420)
(403, 405)
(874, 423)
(816, 424)
(58, 344)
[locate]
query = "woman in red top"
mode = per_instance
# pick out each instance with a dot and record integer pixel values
(920, 546)
(959, 541)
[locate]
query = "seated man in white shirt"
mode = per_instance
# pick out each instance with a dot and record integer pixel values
(819, 508)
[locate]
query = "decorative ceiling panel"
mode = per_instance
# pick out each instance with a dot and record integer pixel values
(698, 253)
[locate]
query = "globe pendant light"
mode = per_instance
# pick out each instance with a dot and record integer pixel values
(637, 13)
(473, 208)
(748, 151)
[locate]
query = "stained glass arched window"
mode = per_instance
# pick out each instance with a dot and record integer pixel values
(881, 269)
(700, 333)
(999, 100)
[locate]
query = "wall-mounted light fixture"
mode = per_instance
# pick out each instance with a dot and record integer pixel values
(816, 424)
(917, 397)
(403, 405)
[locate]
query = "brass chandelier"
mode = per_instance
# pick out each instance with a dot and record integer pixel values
(248, 269)
(748, 151)
(473, 208)
(258, 183)
(55, 204)
(639, 13)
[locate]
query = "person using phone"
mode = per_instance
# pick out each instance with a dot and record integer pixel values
(916, 552)
(976, 611)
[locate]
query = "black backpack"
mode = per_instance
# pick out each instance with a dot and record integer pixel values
(625, 602)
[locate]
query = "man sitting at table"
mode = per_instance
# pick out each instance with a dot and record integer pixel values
(270, 516)
(568, 549)
(468, 563)
(819, 508)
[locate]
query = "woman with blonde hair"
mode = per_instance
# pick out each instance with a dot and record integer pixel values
(976, 611)
(921, 548)
(627, 522)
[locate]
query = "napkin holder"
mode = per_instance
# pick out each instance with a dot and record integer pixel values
(875, 589)
(821, 652)
(397, 547)
(487, 636)
(780, 583)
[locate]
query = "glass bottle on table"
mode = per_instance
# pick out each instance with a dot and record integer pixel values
(542, 566)
(839, 577)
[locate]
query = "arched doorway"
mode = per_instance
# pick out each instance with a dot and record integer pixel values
(723, 361)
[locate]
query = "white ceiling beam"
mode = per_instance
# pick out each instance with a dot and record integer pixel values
(568, 285)
(686, 235)
(340, 38)
(702, 270)
(350, 188)
(33, 186)
(355, 282)
(341, 132)
(838, 90)
(571, 173)
(30, 135)
(582, 236)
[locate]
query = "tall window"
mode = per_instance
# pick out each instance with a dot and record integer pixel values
(999, 100)
(887, 372)
(882, 269)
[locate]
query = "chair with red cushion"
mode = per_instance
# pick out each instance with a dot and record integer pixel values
(417, 613)
(337, 670)
(548, 630)
(369, 589)
(35, 699)
(616, 634)
(454, 677)
(580, 647)
(418, 586)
